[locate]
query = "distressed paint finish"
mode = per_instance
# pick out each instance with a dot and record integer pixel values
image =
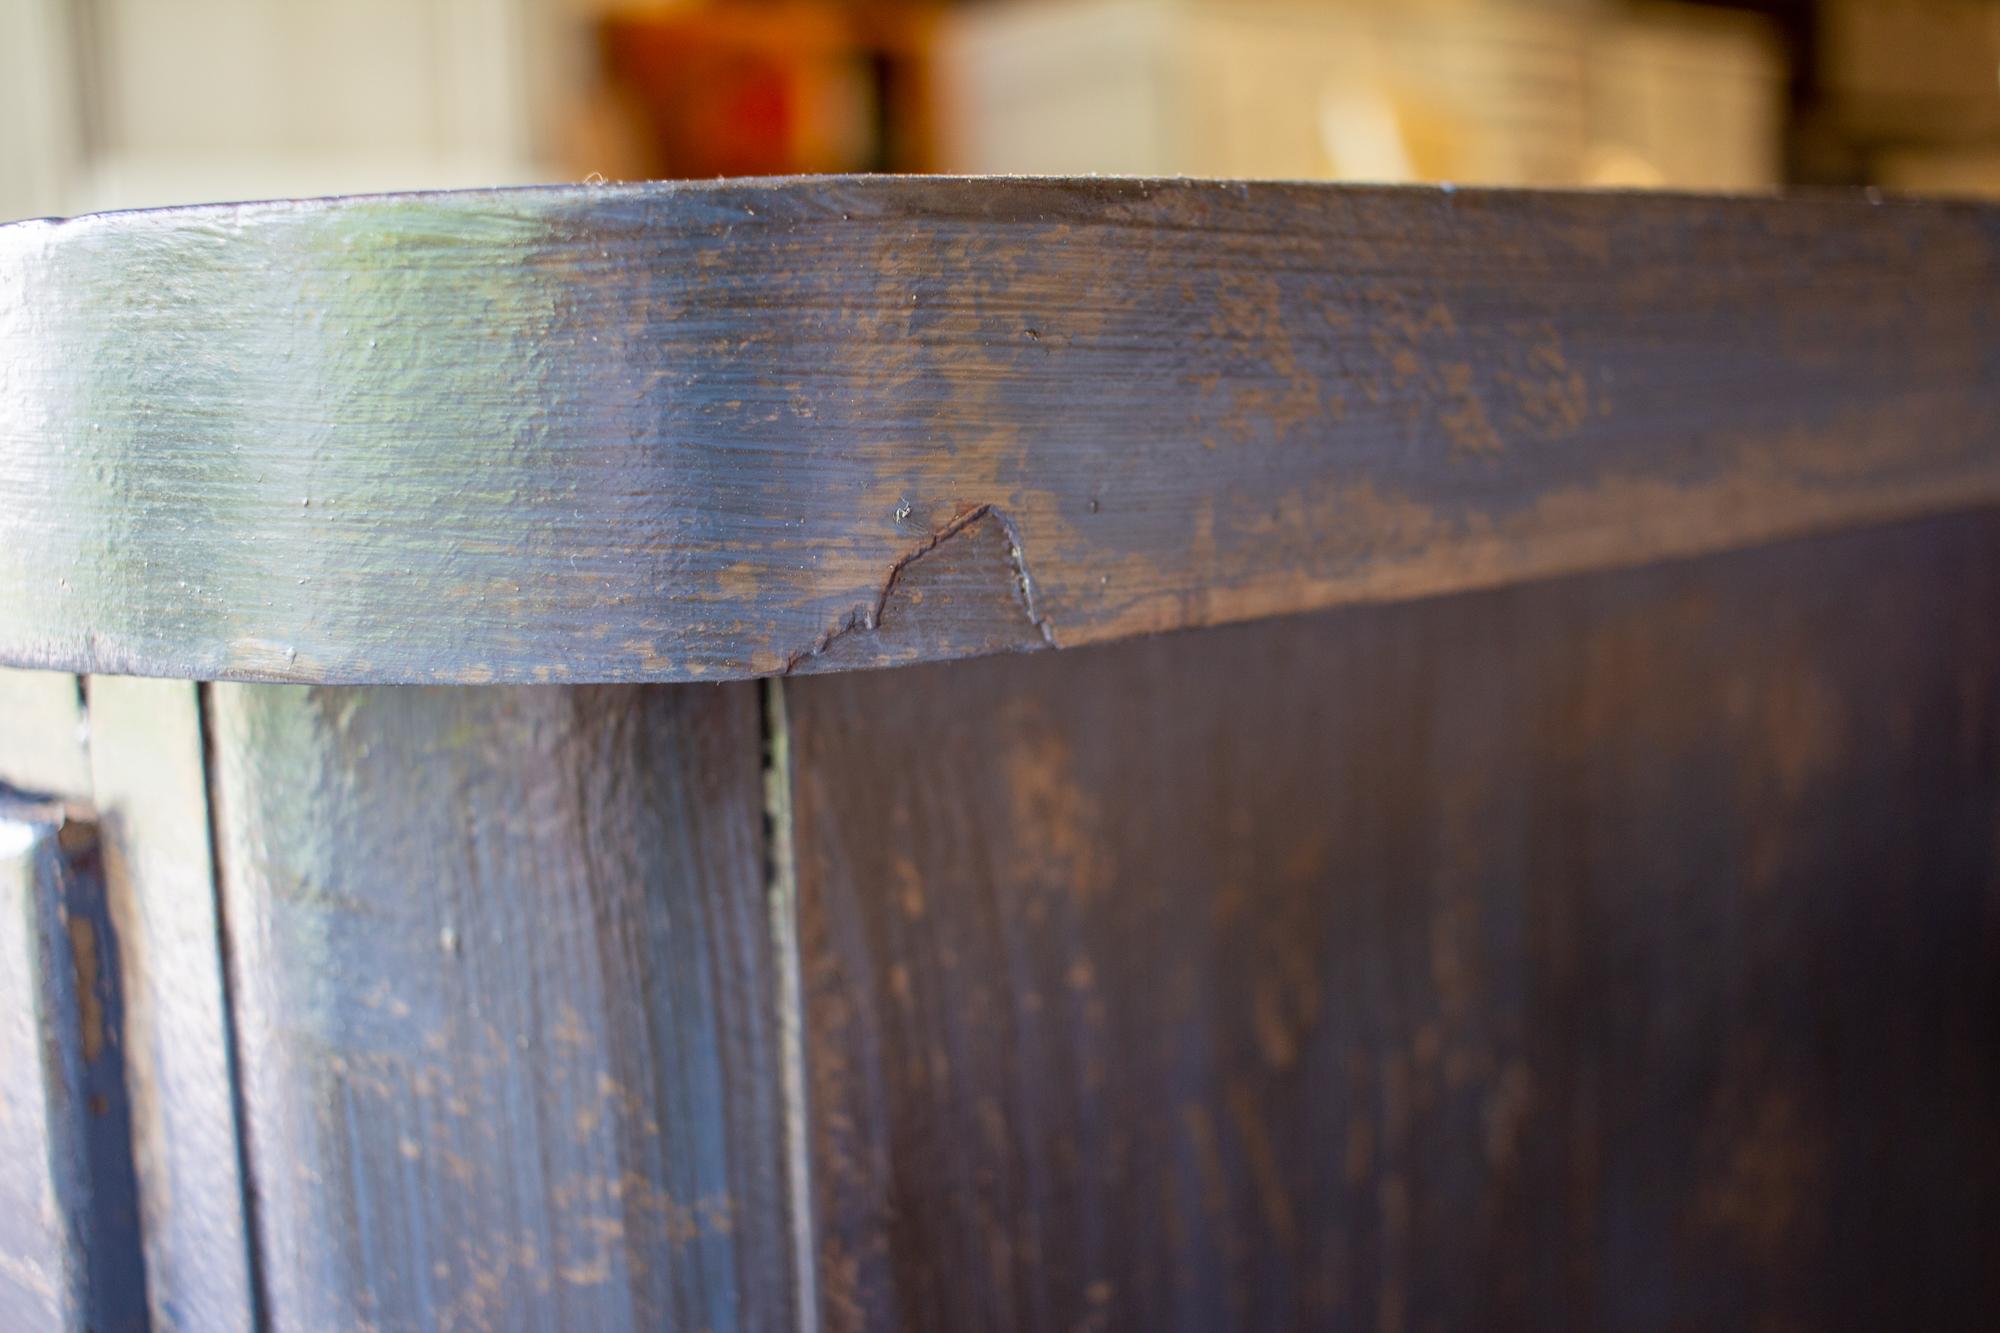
(664, 432)
(1616, 952)
(70, 1255)
(150, 788)
(503, 994)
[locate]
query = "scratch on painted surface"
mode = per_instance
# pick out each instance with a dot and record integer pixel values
(870, 618)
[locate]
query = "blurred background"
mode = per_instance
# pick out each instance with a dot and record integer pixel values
(123, 103)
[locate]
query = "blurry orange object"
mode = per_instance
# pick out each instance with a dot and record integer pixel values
(750, 89)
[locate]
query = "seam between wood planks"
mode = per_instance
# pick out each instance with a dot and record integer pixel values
(781, 897)
(253, 1237)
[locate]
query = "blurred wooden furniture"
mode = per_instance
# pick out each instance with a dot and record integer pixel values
(1908, 95)
(1473, 93)
(1555, 884)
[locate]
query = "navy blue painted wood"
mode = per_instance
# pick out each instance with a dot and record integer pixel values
(502, 972)
(70, 1254)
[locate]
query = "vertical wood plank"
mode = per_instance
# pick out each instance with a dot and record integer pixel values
(1616, 952)
(150, 787)
(69, 1229)
(503, 989)
(36, 1284)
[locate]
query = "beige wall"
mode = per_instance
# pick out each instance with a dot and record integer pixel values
(123, 103)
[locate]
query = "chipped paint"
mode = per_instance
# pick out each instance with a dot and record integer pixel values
(687, 431)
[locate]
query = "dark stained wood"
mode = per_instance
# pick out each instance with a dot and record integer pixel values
(70, 1255)
(503, 994)
(1617, 952)
(666, 432)
(149, 787)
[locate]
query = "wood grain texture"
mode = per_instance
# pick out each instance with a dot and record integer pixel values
(70, 1254)
(503, 990)
(664, 432)
(149, 784)
(1618, 952)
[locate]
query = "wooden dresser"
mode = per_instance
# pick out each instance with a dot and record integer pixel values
(467, 865)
